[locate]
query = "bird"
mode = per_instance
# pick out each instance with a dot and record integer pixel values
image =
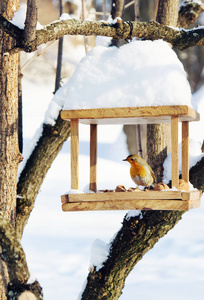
(140, 172)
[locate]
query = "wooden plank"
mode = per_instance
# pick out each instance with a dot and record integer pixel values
(74, 154)
(174, 152)
(183, 111)
(106, 196)
(131, 205)
(127, 121)
(185, 151)
(194, 204)
(152, 195)
(93, 158)
(192, 195)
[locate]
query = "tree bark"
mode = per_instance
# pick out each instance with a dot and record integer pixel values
(196, 175)
(36, 168)
(179, 38)
(136, 237)
(188, 13)
(10, 156)
(117, 8)
(167, 13)
(31, 21)
(157, 135)
(13, 267)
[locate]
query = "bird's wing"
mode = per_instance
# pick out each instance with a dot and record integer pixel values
(144, 163)
(153, 175)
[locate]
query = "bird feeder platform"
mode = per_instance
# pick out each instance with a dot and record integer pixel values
(144, 200)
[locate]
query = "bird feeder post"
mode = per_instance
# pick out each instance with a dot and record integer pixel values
(93, 157)
(185, 151)
(75, 154)
(174, 152)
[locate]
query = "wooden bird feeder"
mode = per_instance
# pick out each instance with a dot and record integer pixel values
(155, 200)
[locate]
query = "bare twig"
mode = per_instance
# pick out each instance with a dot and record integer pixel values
(59, 56)
(31, 21)
(37, 53)
(104, 9)
(83, 2)
(129, 4)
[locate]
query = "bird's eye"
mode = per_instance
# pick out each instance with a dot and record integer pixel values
(131, 159)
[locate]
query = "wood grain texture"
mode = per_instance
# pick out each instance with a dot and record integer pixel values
(149, 195)
(131, 115)
(74, 154)
(93, 158)
(132, 205)
(185, 151)
(174, 152)
(168, 200)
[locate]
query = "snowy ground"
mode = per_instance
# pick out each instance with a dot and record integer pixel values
(58, 245)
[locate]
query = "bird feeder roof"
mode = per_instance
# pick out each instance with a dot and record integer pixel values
(132, 115)
(138, 74)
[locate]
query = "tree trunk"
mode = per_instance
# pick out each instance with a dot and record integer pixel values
(10, 156)
(157, 135)
(168, 12)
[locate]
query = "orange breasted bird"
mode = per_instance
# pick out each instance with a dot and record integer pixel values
(140, 172)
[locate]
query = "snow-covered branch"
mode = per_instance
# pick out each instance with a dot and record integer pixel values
(179, 38)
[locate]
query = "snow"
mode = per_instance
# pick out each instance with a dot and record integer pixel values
(20, 16)
(140, 73)
(99, 254)
(133, 213)
(152, 75)
(58, 245)
(65, 16)
(186, 2)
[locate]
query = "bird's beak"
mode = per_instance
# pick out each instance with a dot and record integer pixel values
(125, 159)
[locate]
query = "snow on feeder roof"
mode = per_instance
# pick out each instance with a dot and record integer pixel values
(141, 73)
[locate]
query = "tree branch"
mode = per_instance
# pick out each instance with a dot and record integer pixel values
(11, 29)
(189, 12)
(31, 21)
(136, 237)
(36, 168)
(117, 8)
(13, 254)
(196, 175)
(181, 39)
(167, 13)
